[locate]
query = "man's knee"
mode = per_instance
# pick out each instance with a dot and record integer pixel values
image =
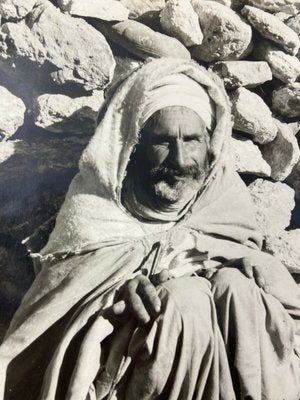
(233, 282)
(191, 297)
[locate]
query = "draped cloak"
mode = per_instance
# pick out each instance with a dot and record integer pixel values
(96, 244)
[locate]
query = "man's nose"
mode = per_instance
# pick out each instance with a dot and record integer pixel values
(178, 156)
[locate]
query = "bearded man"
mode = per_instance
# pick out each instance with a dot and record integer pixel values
(153, 284)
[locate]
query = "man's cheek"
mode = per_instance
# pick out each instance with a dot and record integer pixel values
(157, 155)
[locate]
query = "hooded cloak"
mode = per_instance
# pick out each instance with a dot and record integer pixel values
(96, 244)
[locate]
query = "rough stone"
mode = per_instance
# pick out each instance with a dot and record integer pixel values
(285, 246)
(282, 153)
(294, 23)
(248, 158)
(59, 113)
(124, 66)
(287, 6)
(242, 73)
(226, 35)
(12, 110)
(15, 9)
(295, 127)
(294, 180)
(140, 7)
(284, 66)
(43, 48)
(282, 16)
(252, 115)
(226, 3)
(7, 149)
(270, 27)
(178, 19)
(143, 41)
(107, 10)
(273, 204)
(44, 155)
(286, 100)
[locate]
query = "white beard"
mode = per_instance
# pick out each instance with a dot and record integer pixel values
(180, 191)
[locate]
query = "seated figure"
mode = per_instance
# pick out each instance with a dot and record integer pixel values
(153, 284)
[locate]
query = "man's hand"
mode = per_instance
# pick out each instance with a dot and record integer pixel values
(251, 269)
(139, 297)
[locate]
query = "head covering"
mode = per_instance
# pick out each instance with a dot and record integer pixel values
(172, 90)
(179, 90)
(93, 212)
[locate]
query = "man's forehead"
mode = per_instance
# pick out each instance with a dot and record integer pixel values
(176, 121)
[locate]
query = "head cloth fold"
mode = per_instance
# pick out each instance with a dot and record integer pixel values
(179, 90)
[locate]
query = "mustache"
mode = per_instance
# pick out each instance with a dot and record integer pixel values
(189, 172)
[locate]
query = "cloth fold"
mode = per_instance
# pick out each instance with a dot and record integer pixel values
(179, 90)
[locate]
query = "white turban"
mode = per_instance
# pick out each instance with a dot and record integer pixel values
(180, 90)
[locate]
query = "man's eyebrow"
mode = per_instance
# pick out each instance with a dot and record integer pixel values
(196, 135)
(160, 136)
(163, 136)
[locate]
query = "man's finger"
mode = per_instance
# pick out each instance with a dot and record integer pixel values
(164, 276)
(150, 297)
(119, 307)
(259, 279)
(137, 307)
(247, 267)
(243, 264)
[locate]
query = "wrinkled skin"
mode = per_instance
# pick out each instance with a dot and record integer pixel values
(173, 154)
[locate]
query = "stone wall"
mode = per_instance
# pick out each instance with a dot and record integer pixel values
(58, 57)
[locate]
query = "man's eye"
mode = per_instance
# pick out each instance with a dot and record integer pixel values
(194, 140)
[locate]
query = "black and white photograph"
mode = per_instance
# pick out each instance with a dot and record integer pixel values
(149, 199)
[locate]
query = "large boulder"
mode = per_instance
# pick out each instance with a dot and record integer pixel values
(286, 100)
(7, 149)
(59, 113)
(282, 153)
(12, 110)
(294, 23)
(294, 180)
(284, 66)
(107, 10)
(139, 7)
(273, 204)
(142, 41)
(42, 49)
(178, 19)
(224, 2)
(242, 73)
(251, 115)
(294, 127)
(226, 35)
(285, 246)
(15, 9)
(288, 6)
(42, 155)
(270, 27)
(248, 158)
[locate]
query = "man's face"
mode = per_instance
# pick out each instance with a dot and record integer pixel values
(175, 145)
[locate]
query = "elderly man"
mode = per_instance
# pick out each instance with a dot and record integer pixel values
(152, 284)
